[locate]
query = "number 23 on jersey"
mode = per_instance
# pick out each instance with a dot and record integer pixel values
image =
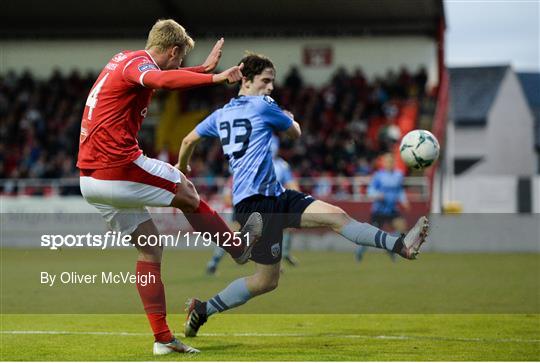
(239, 132)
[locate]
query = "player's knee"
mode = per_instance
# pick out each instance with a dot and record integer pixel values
(338, 211)
(337, 218)
(150, 253)
(186, 198)
(192, 202)
(269, 285)
(265, 284)
(341, 221)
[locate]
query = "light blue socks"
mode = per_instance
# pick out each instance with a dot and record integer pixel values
(365, 234)
(234, 295)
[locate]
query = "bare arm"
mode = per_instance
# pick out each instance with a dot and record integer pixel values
(294, 131)
(186, 150)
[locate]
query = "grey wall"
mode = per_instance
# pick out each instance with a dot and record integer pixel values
(506, 142)
(510, 133)
(494, 232)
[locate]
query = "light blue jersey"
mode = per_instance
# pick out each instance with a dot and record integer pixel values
(245, 126)
(390, 184)
(283, 171)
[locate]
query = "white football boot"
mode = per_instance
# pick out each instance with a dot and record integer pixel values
(414, 239)
(174, 346)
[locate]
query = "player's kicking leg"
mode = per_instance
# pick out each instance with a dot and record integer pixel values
(205, 219)
(265, 279)
(153, 293)
(322, 214)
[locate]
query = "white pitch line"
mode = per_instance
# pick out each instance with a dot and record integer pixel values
(293, 335)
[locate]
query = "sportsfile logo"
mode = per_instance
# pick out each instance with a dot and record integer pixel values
(118, 239)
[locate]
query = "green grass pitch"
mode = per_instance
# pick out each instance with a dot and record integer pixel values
(441, 307)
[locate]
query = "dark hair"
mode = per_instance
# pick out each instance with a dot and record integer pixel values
(255, 64)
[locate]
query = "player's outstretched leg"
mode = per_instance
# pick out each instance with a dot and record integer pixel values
(153, 293)
(264, 280)
(212, 265)
(204, 218)
(359, 253)
(322, 214)
(287, 242)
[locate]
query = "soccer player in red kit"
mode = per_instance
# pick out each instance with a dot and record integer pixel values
(120, 181)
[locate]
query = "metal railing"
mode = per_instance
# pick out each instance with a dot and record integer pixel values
(336, 188)
(355, 188)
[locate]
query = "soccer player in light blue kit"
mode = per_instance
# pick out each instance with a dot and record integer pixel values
(245, 127)
(386, 190)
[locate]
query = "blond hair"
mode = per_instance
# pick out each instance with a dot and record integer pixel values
(167, 33)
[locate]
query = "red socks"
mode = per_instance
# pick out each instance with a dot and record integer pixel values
(153, 299)
(205, 219)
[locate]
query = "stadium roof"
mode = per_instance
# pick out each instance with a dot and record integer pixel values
(472, 92)
(530, 82)
(106, 18)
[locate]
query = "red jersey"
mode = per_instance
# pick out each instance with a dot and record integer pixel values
(117, 106)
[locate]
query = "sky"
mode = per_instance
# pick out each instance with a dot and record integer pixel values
(486, 32)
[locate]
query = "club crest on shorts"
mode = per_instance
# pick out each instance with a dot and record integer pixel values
(275, 250)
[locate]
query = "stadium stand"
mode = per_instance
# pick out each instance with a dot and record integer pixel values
(41, 124)
(369, 107)
(351, 120)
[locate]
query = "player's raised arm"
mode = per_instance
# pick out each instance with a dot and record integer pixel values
(211, 61)
(231, 75)
(174, 79)
(167, 45)
(181, 79)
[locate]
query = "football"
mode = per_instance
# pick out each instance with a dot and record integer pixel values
(419, 149)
